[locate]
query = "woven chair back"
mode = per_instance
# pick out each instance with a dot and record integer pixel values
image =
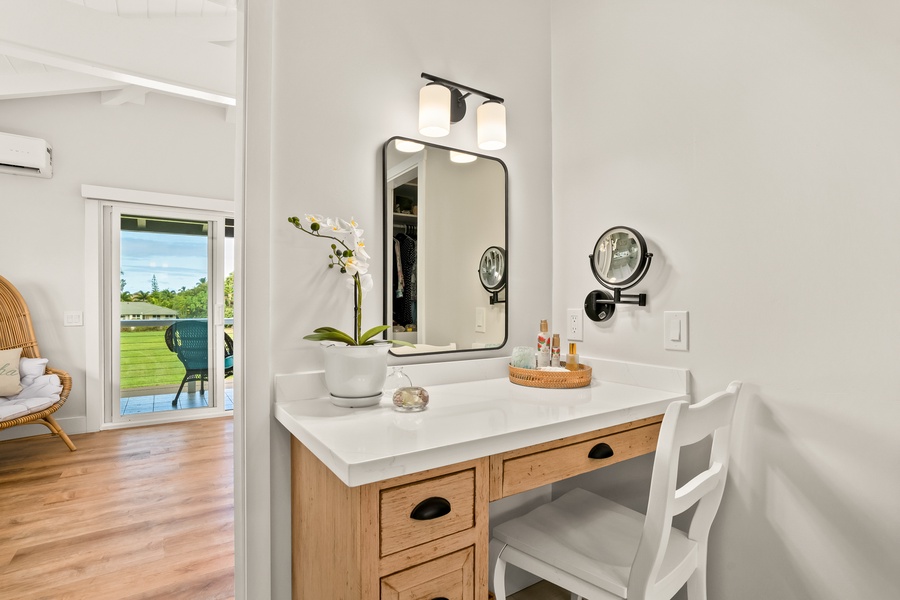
(16, 330)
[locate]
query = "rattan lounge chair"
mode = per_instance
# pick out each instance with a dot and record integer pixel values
(16, 331)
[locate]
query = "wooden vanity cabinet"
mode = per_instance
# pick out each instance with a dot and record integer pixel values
(415, 537)
(364, 543)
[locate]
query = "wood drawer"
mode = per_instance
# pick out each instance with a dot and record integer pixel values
(523, 470)
(451, 577)
(450, 498)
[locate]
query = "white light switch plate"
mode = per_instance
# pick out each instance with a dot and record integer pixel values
(675, 330)
(73, 318)
(480, 319)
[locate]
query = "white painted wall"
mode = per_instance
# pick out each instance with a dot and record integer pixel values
(167, 145)
(345, 79)
(755, 144)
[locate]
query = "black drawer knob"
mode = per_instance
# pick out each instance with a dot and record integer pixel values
(601, 450)
(430, 508)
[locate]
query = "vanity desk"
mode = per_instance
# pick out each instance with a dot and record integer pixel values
(389, 505)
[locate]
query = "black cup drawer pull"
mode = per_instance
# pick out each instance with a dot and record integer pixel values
(441, 598)
(430, 508)
(601, 450)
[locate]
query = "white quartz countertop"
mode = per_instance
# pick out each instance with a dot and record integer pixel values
(464, 420)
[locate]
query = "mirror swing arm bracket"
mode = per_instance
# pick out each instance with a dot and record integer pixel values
(495, 298)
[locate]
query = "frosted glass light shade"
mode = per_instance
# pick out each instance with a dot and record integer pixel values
(462, 157)
(434, 110)
(491, 118)
(408, 146)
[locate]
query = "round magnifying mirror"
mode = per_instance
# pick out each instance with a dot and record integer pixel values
(492, 269)
(620, 257)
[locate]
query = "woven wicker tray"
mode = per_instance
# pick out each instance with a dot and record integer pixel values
(551, 379)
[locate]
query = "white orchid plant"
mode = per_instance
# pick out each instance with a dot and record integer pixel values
(350, 256)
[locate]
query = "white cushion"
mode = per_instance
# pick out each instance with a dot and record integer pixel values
(45, 386)
(41, 394)
(31, 368)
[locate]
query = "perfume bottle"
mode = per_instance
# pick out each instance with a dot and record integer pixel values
(554, 351)
(396, 379)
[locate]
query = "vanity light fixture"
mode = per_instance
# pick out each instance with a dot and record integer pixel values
(408, 146)
(441, 102)
(462, 157)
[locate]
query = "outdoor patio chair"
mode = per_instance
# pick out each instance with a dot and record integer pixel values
(22, 408)
(189, 340)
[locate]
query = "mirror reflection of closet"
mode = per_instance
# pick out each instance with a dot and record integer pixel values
(403, 185)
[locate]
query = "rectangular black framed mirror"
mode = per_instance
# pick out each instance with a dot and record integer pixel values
(445, 240)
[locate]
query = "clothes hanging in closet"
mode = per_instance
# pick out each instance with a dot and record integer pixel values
(404, 312)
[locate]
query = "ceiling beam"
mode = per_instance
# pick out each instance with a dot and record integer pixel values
(51, 83)
(131, 93)
(130, 51)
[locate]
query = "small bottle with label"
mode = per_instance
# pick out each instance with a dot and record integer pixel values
(543, 337)
(543, 345)
(554, 351)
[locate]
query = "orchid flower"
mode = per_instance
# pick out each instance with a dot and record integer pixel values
(351, 258)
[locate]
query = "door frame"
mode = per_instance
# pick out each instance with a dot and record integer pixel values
(96, 313)
(215, 262)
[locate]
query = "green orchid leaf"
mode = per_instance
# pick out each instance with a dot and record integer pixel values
(374, 331)
(333, 335)
(327, 330)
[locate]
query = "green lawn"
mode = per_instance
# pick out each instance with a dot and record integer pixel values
(146, 360)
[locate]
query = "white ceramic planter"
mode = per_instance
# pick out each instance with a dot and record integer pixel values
(354, 375)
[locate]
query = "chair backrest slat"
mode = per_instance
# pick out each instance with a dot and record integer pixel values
(702, 483)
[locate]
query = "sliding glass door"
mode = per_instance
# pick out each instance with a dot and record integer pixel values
(169, 347)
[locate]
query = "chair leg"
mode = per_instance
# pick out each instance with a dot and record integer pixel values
(51, 424)
(696, 584)
(181, 387)
(500, 576)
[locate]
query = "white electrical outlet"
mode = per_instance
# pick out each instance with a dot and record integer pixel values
(480, 320)
(574, 325)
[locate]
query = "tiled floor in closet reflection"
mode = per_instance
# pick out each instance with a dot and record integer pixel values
(163, 402)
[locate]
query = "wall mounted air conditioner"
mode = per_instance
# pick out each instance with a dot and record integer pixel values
(20, 155)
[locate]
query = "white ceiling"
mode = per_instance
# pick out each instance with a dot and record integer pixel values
(121, 48)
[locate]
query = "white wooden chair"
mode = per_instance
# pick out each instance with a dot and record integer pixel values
(601, 550)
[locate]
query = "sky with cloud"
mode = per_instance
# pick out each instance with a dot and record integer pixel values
(176, 260)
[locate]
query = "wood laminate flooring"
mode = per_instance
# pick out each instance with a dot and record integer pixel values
(139, 513)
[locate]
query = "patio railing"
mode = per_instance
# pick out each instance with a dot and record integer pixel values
(147, 365)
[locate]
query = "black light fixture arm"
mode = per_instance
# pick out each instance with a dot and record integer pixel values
(452, 84)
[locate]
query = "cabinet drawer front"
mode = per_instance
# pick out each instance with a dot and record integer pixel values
(534, 470)
(444, 505)
(451, 577)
